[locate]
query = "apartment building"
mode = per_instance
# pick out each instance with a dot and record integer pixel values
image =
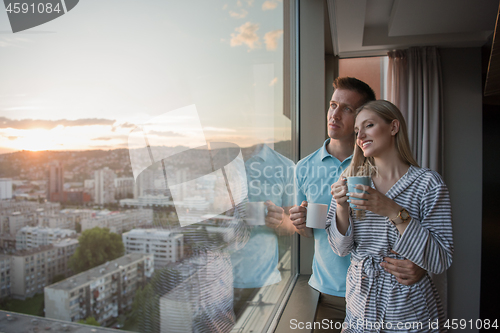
(55, 186)
(16, 221)
(147, 200)
(16, 214)
(124, 187)
(31, 237)
(104, 186)
(203, 298)
(118, 222)
(165, 245)
(89, 186)
(64, 219)
(19, 322)
(103, 292)
(33, 269)
(5, 188)
(145, 183)
(5, 275)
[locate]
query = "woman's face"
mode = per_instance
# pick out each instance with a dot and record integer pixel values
(373, 135)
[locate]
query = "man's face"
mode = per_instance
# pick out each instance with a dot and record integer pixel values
(341, 113)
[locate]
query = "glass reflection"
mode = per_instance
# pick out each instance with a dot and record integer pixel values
(203, 178)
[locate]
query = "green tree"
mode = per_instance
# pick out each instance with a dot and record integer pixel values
(96, 246)
(146, 305)
(58, 277)
(89, 321)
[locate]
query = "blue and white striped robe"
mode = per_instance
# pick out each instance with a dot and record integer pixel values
(374, 296)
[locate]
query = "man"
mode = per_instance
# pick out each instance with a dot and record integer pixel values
(314, 176)
(270, 185)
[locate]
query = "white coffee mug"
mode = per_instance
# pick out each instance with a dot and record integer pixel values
(316, 215)
(256, 213)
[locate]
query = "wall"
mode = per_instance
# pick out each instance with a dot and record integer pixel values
(17, 276)
(57, 304)
(312, 115)
(462, 97)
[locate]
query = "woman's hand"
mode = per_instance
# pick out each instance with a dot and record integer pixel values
(375, 202)
(339, 191)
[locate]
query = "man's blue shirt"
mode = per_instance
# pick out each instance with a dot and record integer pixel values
(313, 178)
(269, 177)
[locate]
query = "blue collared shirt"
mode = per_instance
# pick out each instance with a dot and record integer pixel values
(314, 176)
(269, 177)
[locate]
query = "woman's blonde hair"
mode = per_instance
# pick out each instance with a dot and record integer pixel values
(365, 166)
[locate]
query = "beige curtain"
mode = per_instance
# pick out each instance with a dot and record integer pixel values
(414, 86)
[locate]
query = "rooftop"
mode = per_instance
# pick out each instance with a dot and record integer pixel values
(45, 230)
(153, 233)
(11, 322)
(98, 272)
(65, 242)
(35, 250)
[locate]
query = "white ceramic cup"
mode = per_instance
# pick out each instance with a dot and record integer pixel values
(256, 213)
(316, 215)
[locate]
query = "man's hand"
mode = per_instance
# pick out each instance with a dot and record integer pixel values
(275, 215)
(298, 215)
(405, 271)
(277, 219)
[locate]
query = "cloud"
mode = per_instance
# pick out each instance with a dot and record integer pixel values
(165, 133)
(240, 15)
(127, 125)
(12, 137)
(224, 7)
(271, 39)
(114, 146)
(250, 3)
(246, 34)
(107, 138)
(269, 5)
(218, 129)
(50, 124)
(273, 82)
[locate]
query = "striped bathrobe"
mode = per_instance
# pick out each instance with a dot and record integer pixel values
(376, 302)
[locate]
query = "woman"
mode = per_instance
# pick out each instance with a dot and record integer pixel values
(408, 215)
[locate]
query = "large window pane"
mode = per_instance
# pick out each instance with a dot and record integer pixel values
(166, 127)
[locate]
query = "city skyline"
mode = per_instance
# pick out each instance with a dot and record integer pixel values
(67, 85)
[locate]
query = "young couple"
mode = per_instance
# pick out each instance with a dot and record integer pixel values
(405, 232)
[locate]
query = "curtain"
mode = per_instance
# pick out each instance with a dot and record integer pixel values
(414, 86)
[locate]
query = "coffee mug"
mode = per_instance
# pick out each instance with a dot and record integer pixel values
(316, 215)
(351, 184)
(256, 213)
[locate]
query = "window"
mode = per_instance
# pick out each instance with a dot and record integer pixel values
(227, 81)
(372, 70)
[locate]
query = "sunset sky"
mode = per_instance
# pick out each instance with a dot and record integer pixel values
(86, 79)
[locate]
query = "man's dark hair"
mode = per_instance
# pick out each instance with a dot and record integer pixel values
(351, 83)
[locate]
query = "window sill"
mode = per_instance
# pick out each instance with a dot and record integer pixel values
(300, 307)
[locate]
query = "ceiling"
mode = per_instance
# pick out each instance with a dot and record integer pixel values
(372, 27)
